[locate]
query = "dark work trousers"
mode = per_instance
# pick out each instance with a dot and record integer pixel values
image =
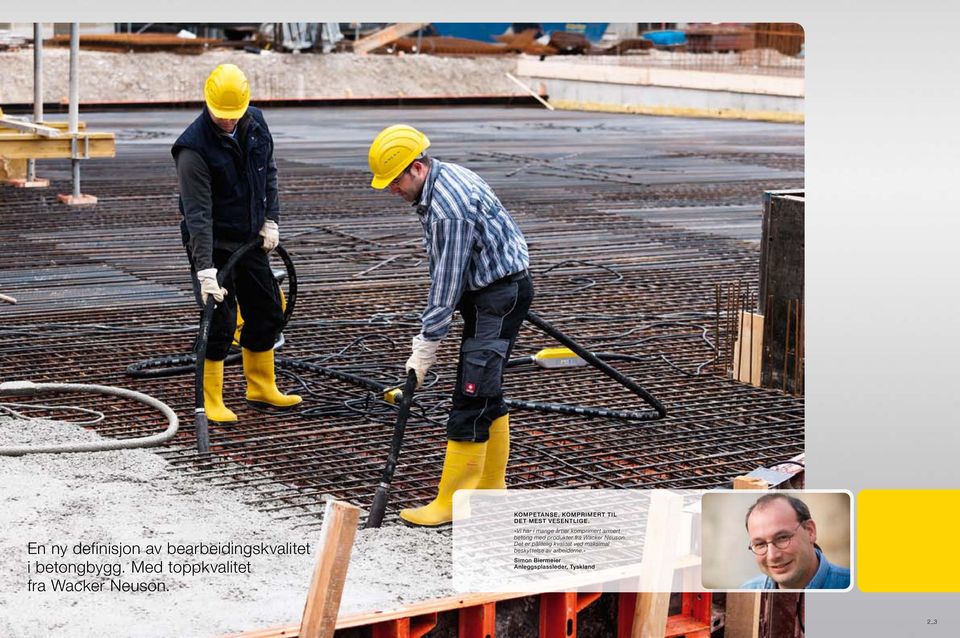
(492, 317)
(251, 284)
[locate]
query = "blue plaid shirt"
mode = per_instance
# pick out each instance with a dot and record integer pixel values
(470, 237)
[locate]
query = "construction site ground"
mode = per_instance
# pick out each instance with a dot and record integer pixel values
(636, 227)
(119, 495)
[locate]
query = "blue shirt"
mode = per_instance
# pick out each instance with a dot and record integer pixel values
(470, 238)
(828, 576)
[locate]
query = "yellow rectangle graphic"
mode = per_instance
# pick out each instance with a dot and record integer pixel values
(905, 540)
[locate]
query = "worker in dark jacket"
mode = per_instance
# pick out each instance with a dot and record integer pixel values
(478, 265)
(228, 197)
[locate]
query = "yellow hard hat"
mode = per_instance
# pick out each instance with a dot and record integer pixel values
(227, 92)
(392, 150)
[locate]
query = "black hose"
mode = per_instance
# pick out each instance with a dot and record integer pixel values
(659, 411)
(174, 365)
(375, 518)
(298, 364)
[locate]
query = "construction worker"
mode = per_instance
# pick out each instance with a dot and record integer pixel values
(783, 539)
(478, 265)
(228, 197)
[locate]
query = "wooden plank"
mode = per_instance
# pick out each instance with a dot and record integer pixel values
(60, 126)
(29, 127)
(13, 168)
(532, 93)
(28, 146)
(386, 36)
(659, 557)
(364, 619)
(748, 349)
(439, 604)
(743, 608)
(749, 483)
(326, 588)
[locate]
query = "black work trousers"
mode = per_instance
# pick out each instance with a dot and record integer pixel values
(251, 284)
(492, 317)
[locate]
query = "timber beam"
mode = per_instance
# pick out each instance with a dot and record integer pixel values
(77, 146)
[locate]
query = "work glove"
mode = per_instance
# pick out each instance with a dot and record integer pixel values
(209, 285)
(424, 355)
(271, 235)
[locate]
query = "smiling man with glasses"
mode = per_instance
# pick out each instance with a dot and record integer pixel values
(783, 539)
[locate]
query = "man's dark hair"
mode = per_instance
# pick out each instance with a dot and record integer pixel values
(803, 512)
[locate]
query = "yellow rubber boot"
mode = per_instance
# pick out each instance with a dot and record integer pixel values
(261, 381)
(461, 471)
(494, 476)
(213, 393)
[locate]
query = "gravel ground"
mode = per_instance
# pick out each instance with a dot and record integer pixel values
(168, 76)
(132, 497)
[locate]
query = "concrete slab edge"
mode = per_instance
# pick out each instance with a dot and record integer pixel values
(680, 111)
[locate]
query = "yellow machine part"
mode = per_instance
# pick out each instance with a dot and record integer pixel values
(393, 395)
(558, 358)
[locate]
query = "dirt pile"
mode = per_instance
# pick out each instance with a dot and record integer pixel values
(170, 77)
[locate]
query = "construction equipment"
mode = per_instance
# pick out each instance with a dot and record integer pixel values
(375, 518)
(558, 358)
(173, 365)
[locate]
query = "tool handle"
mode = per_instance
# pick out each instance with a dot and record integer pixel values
(379, 505)
(201, 425)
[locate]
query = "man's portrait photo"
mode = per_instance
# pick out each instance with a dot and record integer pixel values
(776, 540)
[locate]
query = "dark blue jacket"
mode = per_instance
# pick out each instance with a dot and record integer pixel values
(229, 198)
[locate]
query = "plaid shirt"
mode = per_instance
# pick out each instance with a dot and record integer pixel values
(470, 237)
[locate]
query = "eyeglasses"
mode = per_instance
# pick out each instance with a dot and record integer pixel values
(781, 541)
(396, 180)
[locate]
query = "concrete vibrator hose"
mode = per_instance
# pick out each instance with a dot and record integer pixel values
(173, 365)
(14, 388)
(375, 517)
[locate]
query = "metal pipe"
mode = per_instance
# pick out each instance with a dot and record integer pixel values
(75, 101)
(37, 90)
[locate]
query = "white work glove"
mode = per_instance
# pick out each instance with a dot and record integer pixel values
(424, 355)
(271, 235)
(209, 285)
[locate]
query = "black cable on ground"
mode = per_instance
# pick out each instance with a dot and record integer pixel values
(659, 411)
(180, 364)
